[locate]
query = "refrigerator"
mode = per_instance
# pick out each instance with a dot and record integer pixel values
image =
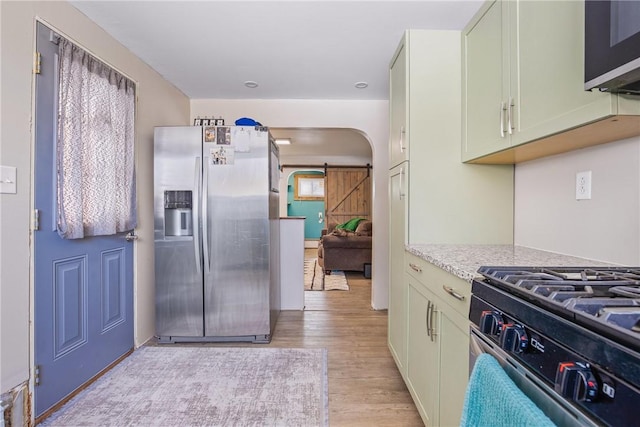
(216, 233)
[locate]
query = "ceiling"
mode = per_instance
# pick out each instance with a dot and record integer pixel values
(291, 49)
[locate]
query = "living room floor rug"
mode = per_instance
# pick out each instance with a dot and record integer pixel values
(206, 386)
(316, 280)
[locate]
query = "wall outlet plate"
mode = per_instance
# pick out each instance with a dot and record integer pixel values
(583, 185)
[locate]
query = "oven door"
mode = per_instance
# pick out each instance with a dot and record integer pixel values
(561, 412)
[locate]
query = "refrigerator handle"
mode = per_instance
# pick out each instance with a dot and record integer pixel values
(194, 215)
(205, 221)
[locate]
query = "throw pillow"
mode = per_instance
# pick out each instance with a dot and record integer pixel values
(350, 225)
(364, 228)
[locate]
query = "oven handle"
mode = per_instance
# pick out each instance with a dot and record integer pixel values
(529, 384)
(475, 348)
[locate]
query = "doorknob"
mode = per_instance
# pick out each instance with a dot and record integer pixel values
(320, 218)
(131, 236)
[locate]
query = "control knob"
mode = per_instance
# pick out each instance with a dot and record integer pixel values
(490, 322)
(513, 338)
(576, 381)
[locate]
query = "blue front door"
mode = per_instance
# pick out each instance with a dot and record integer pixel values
(83, 287)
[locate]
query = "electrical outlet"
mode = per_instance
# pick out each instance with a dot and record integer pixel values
(583, 185)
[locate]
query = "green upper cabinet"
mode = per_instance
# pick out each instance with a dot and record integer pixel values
(485, 88)
(547, 42)
(523, 81)
(398, 139)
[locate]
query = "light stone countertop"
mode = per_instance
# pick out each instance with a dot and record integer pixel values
(463, 261)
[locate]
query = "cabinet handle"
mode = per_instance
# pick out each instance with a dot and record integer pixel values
(402, 133)
(503, 108)
(401, 193)
(430, 311)
(428, 318)
(509, 116)
(453, 293)
(415, 267)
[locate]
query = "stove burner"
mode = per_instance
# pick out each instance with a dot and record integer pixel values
(573, 274)
(593, 306)
(626, 291)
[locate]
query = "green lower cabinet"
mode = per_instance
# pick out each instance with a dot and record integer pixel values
(422, 355)
(454, 367)
(437, 369)
(397, 283)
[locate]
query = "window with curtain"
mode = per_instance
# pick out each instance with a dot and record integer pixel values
(95, 147)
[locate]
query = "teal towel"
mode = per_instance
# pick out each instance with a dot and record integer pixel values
(494, 400)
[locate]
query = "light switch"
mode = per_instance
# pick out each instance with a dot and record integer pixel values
(8, 176)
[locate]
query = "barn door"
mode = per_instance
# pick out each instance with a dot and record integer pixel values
(347, 194)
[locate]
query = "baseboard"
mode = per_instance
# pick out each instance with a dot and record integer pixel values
(311, 243)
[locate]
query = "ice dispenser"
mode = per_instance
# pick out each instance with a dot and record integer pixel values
(178, 219)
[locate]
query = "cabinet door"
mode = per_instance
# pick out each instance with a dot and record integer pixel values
(398, 134)
(422, 353)
(454, 366)
(397, 285)
(484, 80)
(547, 67)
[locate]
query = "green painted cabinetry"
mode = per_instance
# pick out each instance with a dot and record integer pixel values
(486, 85)
(398, 139)
(445, 201)
(523, 83)
(434, 198)
(423, 358)
(397, 285)
(438, 336)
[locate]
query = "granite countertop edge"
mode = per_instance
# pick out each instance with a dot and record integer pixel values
(463, 261)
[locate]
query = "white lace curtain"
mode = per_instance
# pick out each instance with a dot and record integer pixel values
(95, 148)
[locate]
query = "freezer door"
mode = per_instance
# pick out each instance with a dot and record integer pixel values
(237, 233)
(177, 231)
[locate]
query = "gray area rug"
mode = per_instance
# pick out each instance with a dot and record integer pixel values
(316, 280)
(205, 386)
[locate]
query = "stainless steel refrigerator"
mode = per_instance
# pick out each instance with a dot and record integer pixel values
(216, 233)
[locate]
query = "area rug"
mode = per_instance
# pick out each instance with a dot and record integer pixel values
(206, 386)
(316, 280)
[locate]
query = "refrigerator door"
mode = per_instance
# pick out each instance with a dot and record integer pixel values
(178, 255)
(236, 233)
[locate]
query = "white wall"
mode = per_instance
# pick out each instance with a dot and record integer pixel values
(605, 228)
(159, 103)
(369, 117)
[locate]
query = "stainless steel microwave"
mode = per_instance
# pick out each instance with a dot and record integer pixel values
(612, 46)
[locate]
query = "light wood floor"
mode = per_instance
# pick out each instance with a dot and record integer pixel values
(365, 387)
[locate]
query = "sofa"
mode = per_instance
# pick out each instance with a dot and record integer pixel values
(342, 249)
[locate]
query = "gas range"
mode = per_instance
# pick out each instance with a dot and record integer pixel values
(606, 300)
(575, 328)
